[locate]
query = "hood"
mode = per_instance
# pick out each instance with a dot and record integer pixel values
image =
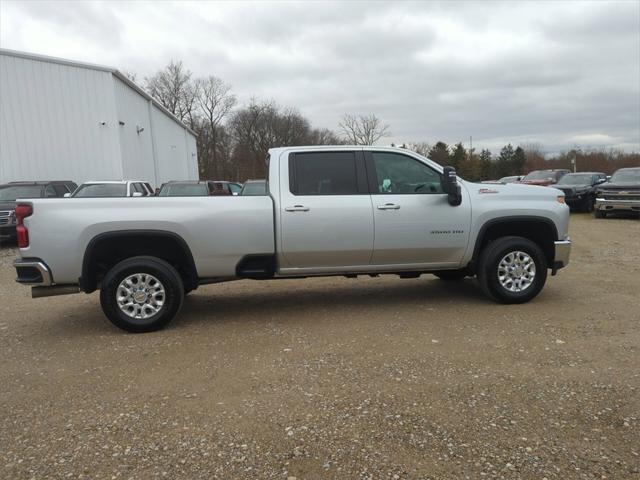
(619, 186)
(572, 188)
(7, 206)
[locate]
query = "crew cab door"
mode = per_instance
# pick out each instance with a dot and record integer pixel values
(326, 218)
(414, 222)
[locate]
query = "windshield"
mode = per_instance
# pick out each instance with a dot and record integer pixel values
(254, 188)
(95, 190)
(540, 175)
(626, 176)
(184, 190)
(572, 179)
(14, 192)
(235, 188)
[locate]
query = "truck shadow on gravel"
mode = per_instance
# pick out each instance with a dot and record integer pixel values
(302, 303)
(208, 306)
(214, 304)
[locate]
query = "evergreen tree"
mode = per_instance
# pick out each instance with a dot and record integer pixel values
(486, 165)
(519, 159)
(458, 158)
(439, 153)
(504, 165)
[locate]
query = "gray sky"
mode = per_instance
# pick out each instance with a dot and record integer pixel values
(561, 74)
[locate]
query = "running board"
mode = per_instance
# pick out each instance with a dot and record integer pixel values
(39, 292)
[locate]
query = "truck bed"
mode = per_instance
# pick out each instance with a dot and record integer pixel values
(220, 231)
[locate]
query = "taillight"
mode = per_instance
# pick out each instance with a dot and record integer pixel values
(22, 234)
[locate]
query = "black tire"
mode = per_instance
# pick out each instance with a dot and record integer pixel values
(589, 204)
(451, 275)
(600, 214)
(489, 263)
(164, 273)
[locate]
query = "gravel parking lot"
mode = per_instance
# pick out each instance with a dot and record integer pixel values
(335, 378)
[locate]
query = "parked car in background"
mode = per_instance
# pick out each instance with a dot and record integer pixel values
(620, 194)
(235, 188)
(511, 179)
(11, 191)
(580, 189)
(113, 188)
(187, 188)
(504, 180)
(222, 188)
(544, 178)
(254, 187)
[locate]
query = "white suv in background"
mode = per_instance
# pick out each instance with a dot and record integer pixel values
(116, 188)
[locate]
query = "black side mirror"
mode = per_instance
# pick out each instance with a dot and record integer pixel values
(451, 187)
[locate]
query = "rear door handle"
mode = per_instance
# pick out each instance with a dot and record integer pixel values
(297, 208)
(389, 206)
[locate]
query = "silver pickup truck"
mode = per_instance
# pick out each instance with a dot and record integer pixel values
(327, 211)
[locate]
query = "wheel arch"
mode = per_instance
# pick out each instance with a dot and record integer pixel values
(540, 230)
(108, 248)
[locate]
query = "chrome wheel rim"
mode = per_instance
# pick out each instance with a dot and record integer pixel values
(516, 271)
(140, 296)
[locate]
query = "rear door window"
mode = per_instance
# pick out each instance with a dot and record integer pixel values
(324, 173)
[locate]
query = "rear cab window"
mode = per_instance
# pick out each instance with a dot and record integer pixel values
(327, 173)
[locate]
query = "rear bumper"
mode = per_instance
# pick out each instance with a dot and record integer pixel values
(33, 271)
(607, 204)
(562, 254)
(7, 232)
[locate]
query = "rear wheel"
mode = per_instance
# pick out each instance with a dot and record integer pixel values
(512, 270)
(141, 294)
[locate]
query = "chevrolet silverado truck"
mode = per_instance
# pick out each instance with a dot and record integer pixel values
(580, 189)
(326, 211)
(620, 194)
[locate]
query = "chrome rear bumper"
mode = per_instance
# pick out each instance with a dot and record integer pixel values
(33, 272)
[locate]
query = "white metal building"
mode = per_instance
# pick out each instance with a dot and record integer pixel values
(65, 120)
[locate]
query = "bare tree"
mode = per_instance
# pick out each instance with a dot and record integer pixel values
(263, 125)
(324, 136)
(174, 89)
(133, 76)
(362, 129)
(421, 148)
(215, 101)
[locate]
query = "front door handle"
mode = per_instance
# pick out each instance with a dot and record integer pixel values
(389, 206)
(297, 208)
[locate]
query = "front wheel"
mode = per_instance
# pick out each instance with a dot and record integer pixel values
(512, 270)
(141, 294)
(589, 204)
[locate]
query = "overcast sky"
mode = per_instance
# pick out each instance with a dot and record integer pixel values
(560, 74)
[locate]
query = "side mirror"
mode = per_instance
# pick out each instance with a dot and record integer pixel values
(137, 194)
(67, 195)
(451, 187)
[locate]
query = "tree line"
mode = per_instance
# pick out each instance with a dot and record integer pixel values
(233, 140)
(520, 160)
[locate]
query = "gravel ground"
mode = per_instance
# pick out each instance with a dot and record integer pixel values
(335, 378)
